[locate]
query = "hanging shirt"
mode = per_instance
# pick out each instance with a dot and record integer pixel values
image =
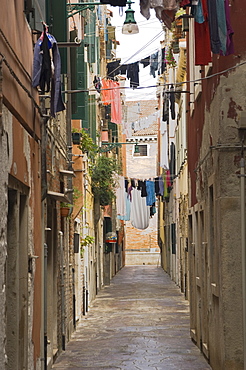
(140, 212)
(113, 69)
(133, 74)
(116, 111)
(230, 32)
(145, 8)
(153, 63)
(157, 186)
(123, 69)
(221, 16)
(198, 13)
(163, 57)
(150, 188)
(145, 62)
(161, 185)
(165, 111)
(41, 74)
(106, 93)
(172, 162)
(172, 101)
(142, 188)
(213, 26)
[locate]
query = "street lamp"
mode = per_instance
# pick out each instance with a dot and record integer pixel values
(130, 26)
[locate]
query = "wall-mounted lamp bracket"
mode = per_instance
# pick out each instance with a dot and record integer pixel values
(107, 147)
(75, 8)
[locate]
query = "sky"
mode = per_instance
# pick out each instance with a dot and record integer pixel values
(132, 48)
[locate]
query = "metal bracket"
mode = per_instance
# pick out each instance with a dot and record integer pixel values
(75, 8)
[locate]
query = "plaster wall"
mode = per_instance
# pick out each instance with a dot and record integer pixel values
(218, 188)
(141, 167)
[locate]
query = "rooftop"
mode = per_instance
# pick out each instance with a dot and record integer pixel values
(148, 131)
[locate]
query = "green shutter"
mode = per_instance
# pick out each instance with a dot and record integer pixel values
(92, 116)
(90, 37)
(57, 22)
(79, 82)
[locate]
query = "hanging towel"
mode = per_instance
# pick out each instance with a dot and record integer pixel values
(120, 197)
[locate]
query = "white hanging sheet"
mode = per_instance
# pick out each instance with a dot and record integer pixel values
(140, 212)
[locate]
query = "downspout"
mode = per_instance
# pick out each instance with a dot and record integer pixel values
(62, 294)
(242, 182)
(45, 306)
(74, 300)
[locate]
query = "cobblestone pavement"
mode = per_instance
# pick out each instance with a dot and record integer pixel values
(140, 321)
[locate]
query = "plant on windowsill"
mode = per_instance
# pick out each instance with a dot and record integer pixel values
(85, 142)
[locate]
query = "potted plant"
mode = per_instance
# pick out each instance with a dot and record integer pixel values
(65, 209)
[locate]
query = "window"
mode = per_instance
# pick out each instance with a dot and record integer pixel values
(143, 150)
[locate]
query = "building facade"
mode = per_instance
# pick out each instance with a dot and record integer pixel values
(207, 192)
(21, 222)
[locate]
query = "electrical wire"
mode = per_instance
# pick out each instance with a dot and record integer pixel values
(137, 52)
(14, 53)
(21, 84)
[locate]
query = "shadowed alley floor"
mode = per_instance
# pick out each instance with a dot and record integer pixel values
(140, 321)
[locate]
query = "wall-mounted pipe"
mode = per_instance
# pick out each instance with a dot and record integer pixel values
(63, 315)
(242, 195)
(45, 306)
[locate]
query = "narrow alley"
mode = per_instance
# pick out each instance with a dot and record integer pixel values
(140, 321)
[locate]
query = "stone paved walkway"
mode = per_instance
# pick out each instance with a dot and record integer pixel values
(140, 321)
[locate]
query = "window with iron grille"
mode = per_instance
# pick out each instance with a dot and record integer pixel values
(143, 150)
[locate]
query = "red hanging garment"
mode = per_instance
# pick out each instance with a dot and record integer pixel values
(116, 115)
(202, 39)
(106, 93)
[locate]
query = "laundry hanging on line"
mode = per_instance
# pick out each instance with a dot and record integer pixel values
(213, 30)
(156, 61)
(110, 95)
(47, 70)
(135, 200)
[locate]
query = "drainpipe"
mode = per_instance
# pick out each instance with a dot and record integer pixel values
(242, 182)
(45, 306)
(62, 294)
(74, 300)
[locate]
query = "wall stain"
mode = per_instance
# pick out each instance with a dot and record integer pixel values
(233, 108)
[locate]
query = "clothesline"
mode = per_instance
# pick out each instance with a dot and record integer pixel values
(175, 84)
(135, 199)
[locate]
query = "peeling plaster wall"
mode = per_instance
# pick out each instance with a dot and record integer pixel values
(219, 167)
